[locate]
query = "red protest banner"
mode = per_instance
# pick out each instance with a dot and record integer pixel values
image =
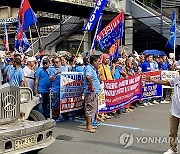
(121, 92)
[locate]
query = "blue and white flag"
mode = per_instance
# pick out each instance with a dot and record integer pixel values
(172, 35)
(96, 32)
(22, 45)
(93, 18)
(5, 39)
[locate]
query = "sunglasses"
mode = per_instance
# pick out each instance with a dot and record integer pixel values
(56, 62)
(45, 63)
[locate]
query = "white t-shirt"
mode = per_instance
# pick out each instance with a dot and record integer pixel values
(29, 74)
(175, 108)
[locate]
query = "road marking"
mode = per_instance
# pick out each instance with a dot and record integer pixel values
(111, 125)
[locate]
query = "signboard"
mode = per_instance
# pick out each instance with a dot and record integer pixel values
(169, 75)
(8, 20)
(121, 92)
(71, 91)
(150, 89)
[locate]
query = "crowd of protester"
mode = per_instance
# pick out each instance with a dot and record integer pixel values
(41, 73)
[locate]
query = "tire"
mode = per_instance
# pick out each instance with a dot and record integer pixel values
(36, 116)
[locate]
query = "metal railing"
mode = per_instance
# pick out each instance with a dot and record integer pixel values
(166, 18)
(170, 3)
(65, 18)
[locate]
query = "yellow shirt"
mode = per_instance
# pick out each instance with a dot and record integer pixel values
(105, 72)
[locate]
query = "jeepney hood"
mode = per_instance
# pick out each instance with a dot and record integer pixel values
(24, 127)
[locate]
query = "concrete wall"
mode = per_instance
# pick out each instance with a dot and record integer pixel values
(118, 4)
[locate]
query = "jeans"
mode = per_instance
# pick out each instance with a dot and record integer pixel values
(44, 105)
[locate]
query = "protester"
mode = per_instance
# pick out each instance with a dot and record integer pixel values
(79, 66)
(42, 86)
(92, 88)
(54, 76)
(16, 77)
(64, 66)
(104, 74)
(175, 110)
(29, 73)
(114, 69)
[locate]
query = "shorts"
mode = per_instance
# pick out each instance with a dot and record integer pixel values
(55, 101)
(91, 101)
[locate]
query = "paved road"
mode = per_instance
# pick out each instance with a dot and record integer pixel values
(148, 124)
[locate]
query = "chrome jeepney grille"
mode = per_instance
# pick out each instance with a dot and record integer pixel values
(10, 103)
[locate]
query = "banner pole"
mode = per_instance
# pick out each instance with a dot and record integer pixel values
(31, 40)
(121, 48)
(39, 36)
(81, 42)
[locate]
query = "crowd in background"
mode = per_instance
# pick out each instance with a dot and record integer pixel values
(42, 72)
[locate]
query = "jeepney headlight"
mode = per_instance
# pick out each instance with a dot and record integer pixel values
(25, 94)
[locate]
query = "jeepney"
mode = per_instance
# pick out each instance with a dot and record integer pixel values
(22, 129)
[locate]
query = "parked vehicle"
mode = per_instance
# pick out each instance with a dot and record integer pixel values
(22, 129)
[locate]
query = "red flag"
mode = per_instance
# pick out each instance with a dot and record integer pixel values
(26, 16)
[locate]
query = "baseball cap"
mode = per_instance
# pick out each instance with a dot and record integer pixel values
(31, 59)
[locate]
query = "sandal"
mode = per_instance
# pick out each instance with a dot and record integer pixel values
(91, 130)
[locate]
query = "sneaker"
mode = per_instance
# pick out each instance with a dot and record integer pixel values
(141, 105)
(115, 115)
(132, 107)
(149, 103)
(155, 102)
(130, 110)
(145, 104)
(95, 123)
(164, 102)
(170, 151)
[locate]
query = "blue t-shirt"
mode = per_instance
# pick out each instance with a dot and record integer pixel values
(3, 67)
(116, 74)
(164, 66)
(16, 77)
(65, 68)
(9, 69)
(56, 82)
(89, 70)
(44, 83)
(145, 66)
(78, 69)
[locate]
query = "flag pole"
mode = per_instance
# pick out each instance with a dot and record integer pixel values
(175, 39)
(31, 40)
(81, 42)
(121, 48)
(39, 37)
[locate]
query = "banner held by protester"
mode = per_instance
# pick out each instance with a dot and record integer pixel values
(71, 91)
(121, 92)
(152, 90)
(169, 75)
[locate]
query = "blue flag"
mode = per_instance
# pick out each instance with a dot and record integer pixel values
(22, 45)
(172, 35)
(110, 38)
(93, 18)
(97, 31)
